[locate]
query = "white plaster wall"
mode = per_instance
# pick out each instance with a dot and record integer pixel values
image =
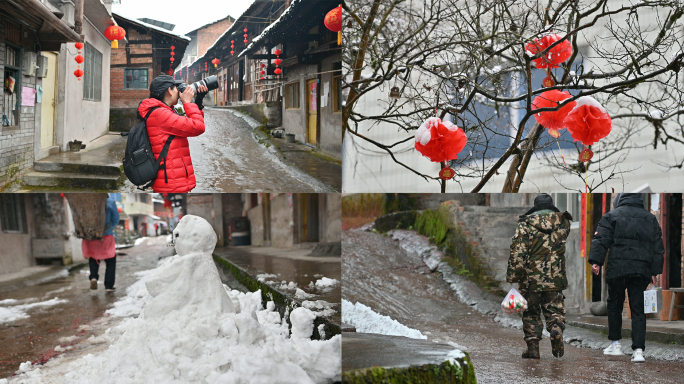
(77, 118)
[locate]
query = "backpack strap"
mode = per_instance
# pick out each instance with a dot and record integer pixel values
(149, 113)
(162, 156)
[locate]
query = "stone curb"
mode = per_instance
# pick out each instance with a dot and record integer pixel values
(655, 336)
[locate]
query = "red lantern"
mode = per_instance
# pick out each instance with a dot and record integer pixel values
(232, 52)
(115, 33)
(263, 72)
(232, 41)
(333, 20)
(262, 78)
(277, 61)
(263, 65)
(245, 30)
(440, 141)
(78, 45)
(588, 122)
(78, 73)
(446, 173)
(278, 52)
(79, 59)
(205, 66)
(172, 59)
(173, 53)
(245, 35)
(169, 72)
(277, 71)
(245, 41)
(555, 56)
(172, 47)
(586, 155)
(552, 120)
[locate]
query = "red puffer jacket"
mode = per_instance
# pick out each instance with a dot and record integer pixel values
(164, 122)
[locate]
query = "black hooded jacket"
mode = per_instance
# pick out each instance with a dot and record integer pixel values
(633, 236)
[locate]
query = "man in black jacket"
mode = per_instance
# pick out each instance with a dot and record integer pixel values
(633, 236)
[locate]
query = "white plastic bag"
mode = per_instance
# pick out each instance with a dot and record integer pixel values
(514, 302)
(653, 300)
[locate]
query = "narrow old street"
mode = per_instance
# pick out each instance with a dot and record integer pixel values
(394, 282)
(76, 312)
(228, 158)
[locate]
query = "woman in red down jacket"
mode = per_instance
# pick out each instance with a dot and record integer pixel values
(164, 121)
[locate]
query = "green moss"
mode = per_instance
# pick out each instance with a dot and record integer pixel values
(461, 373)
(433, 224)
(398, 202)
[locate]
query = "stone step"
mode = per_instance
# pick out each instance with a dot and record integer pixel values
(71, 181)
(94, 169)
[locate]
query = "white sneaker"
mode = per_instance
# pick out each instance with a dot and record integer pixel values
(638, 356)
(613, 350)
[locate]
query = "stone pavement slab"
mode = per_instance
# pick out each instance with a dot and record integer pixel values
(667, 332)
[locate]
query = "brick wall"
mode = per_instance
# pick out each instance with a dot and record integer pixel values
(207, 36)
(122, 98)
(16, 143)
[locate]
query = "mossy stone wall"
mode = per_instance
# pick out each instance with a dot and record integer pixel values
(462, 372)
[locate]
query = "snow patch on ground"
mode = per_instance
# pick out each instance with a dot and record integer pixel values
(18, 312)
(319, 307)
(140, 240)
(367, 321)
(325, 283)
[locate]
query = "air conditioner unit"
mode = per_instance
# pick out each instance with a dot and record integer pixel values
(43, 64)
(29, 68)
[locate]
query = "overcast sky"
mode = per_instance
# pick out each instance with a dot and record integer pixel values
(187, 15)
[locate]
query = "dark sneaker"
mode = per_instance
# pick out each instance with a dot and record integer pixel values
(110, 289)
(93, 283)
(557, 347)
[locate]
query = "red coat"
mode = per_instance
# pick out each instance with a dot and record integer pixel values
(162, 123)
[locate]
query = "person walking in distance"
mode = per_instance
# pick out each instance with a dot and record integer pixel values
(631, 238)
(97, 250)
(537, 264)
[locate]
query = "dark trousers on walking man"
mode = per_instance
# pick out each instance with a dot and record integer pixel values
(110, 271)
(551, 304)
(635, 286)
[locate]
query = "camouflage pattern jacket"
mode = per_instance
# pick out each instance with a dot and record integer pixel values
(537, 261)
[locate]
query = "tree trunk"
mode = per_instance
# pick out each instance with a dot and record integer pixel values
(521, 160)
(89, 212)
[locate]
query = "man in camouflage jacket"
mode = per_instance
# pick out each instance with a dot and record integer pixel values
(537, 264)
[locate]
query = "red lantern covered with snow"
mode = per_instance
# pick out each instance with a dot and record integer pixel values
(555, 56)
(552, 120)
(588, 122)
(440, 141)
(115, 33)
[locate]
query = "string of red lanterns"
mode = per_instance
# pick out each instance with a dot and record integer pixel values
(232, 46)
(79, 59)
(277, 62)
(245, 36)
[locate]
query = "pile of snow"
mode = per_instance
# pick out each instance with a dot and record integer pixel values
(135, 299)
(319, 307)
(590, 101)
(265, 276)
(656, 114)
(194, 330)
(18, 312)
(367, 321)
(140, 240)
(326, 283)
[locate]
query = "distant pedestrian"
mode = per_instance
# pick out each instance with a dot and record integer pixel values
(178, 175)
(103, 249)
(633, 237)
(537, 264)
(156, 229)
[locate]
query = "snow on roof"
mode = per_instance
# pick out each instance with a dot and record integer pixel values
(280, 19)
(151, 26)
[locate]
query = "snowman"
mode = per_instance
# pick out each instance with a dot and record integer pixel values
(189, 281)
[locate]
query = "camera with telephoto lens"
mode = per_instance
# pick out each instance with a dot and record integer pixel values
(210, 82)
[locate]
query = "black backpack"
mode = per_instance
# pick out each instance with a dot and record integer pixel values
(139, 163)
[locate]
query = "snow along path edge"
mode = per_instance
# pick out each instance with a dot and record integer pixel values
(488, 304)
(277, 158)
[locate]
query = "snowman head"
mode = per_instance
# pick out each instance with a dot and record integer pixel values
(194, 234)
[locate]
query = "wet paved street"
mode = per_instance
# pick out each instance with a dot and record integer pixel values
(381, 275)
(290, 265)
(227, 158)
(35, 338)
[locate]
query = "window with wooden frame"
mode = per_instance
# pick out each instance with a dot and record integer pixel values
(12, 78)
(92, 78)
(292, 96)
(12, 213)
(136, 78)
(337, 87)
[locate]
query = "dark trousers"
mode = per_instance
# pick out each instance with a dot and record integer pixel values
(635, 286)
(109, 272)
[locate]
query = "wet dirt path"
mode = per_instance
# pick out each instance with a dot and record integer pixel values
(227, 158)
(35, 338)
(381, 275)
